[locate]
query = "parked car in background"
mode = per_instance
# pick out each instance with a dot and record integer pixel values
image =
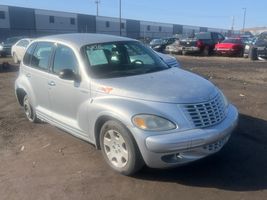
(5, 47)
(230, 47)
(120, 96)
(19, 48)
(159, 45)
(174, 48)
(203, 43)
(257, 49)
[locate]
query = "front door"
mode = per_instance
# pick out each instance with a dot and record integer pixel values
(67, 96)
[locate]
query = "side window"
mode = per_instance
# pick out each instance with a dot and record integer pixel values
(41, 55)
(28, 55)
(64, 59)
(138, 55)
(20, 43)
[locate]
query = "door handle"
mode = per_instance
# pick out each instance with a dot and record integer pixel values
(28, 75)
(51, 83)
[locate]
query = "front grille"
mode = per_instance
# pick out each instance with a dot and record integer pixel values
(207, 113)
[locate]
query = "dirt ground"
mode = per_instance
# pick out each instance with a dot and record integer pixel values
(39, 161)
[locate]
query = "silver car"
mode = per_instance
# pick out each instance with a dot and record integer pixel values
(120, 96)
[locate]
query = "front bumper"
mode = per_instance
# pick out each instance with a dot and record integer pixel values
(175, 149)
(190, 49)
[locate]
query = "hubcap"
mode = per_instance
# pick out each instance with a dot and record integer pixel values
(115, 148)
(27, 109)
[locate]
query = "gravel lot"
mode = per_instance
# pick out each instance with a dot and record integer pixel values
(39, 161)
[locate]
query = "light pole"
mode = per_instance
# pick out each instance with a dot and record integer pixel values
(244, 19)
(120, 17)
(97, 2)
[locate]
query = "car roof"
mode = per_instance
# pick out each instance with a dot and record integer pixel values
(78, 40)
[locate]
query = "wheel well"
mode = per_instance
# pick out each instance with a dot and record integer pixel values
(98, 125)
(20, 95)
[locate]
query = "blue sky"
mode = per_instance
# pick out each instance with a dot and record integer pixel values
(209, 13)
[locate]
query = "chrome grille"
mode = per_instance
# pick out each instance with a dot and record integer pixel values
(207, 113)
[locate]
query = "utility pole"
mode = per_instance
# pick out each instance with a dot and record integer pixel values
(233, 24)
(97, 2)
(244, 19)
(120, 16)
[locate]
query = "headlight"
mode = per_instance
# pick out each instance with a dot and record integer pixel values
(1, 47)
(156, 47)
(225, 101)
(247, 47)
(152, 123)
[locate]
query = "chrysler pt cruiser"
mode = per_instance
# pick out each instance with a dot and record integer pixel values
(119, 95)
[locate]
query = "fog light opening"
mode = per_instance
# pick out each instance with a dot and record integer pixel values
(179, 156)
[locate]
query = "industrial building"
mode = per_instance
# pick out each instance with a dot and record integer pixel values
(28, 22)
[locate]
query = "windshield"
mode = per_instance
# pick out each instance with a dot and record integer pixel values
(156, 41)
(118, 59)
(235, 41)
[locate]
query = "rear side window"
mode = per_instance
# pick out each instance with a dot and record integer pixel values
(64, 59)
(203, 36)
(41, 55)
(28, 55)
(23, 43)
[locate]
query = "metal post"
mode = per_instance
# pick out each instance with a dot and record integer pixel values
(97, 2)
(120, 17)
(244, 19)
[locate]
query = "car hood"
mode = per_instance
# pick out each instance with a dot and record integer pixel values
(171, 86)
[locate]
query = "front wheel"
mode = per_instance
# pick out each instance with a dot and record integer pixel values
(119, 148)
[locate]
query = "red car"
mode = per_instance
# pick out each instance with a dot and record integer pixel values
(230, 47)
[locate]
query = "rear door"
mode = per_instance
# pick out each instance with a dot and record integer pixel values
(37, 72)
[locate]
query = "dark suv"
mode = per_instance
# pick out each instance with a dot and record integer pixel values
(203, 43)
(5, 48)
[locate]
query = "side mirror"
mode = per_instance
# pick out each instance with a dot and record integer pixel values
(68, 74)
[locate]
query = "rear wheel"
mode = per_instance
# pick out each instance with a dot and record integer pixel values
(206, 51)
(119, 148)
(28, 110)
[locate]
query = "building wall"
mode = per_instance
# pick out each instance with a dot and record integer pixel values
(133, 28)
(21, 18)
(61, 21)
(36, 22)
(177, 29)
(154, 29)
(86, 23)
(108, 25)
(4, 23)
(203, 29)
(190, 30)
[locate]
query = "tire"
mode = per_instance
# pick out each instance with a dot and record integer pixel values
(253, 54)
(206, 51)
(15, 58)
(184, 53)
(28, 110)
(119, 148)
